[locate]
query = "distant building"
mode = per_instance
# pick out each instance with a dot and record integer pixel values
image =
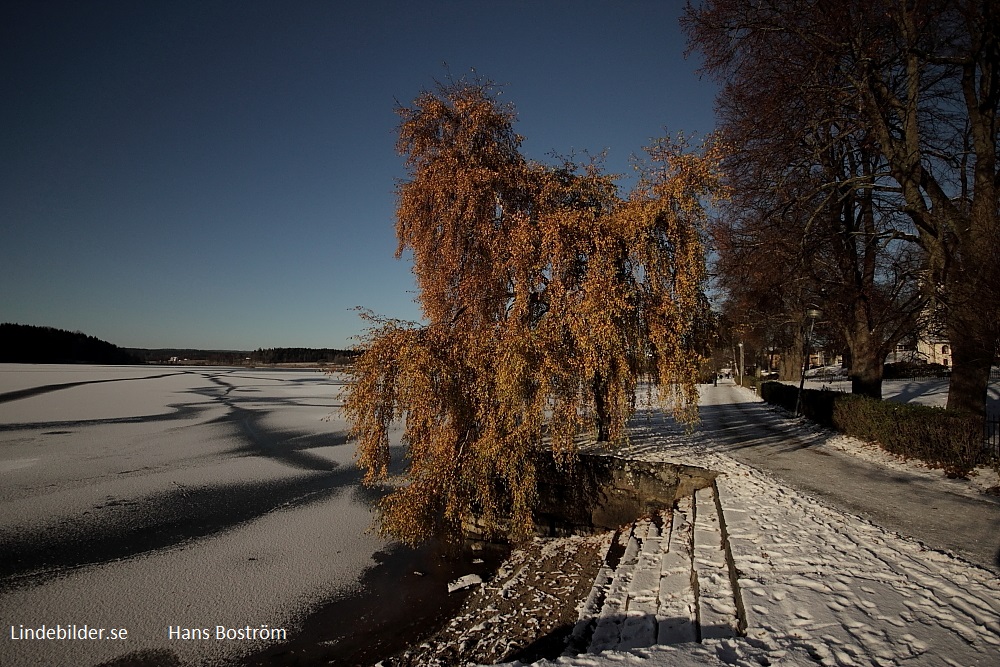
(922, 348)
(935, 351)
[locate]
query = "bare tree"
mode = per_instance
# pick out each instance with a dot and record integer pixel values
(889, 108)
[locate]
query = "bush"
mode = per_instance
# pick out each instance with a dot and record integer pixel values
(779, 393)
(943, 439)
(940, 438)
(817, 404)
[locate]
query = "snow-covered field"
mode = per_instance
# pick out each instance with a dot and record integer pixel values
(164, 500)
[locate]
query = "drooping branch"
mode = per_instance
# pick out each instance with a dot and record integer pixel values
(545, 295)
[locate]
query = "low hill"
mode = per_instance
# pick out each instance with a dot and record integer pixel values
(26, 344)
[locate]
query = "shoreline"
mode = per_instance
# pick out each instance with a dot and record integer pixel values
(400, 601)
(526, 612)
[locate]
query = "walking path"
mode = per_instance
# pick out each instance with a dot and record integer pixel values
(753, 571)
(923, 505)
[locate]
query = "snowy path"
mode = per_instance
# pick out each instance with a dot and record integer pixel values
(924, 506)
(768, 575)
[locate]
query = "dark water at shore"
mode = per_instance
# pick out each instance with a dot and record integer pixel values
(401, 600)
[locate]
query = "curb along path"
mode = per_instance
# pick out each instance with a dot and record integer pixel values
(748, 572)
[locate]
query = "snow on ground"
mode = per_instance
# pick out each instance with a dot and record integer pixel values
(267, 572)
(981, 479)
(172, 498)
(815, 585)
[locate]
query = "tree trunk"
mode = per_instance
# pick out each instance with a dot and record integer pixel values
(867, 357)
(973, 314)
(790, 366)
(970, 375)
(601, 408)
(866, 374)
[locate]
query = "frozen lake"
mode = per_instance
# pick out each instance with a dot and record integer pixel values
(164, 500)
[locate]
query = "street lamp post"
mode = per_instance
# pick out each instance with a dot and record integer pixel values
(812, 314)
(741, 363)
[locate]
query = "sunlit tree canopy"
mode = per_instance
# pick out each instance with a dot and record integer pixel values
(546, 297)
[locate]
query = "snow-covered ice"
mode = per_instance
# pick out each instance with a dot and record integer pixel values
(158, 498)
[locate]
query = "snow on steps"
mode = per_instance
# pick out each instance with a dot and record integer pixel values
(666, 580)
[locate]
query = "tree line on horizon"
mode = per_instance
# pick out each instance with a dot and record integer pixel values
(289, 355)
(27, 344)
(260, 356)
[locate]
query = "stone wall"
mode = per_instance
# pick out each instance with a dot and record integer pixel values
(604, 492)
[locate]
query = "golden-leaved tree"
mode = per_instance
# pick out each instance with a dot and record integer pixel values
(545, 296)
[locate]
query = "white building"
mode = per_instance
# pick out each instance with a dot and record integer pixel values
(923, 349)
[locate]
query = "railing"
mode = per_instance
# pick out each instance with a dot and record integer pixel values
(991, 436)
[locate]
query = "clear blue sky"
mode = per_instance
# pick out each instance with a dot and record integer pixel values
(221, 174)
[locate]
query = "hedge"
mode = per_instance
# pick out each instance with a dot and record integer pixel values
(941, 438)
(817, 404)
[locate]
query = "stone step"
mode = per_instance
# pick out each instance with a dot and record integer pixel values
(717, 618)
(667, 579)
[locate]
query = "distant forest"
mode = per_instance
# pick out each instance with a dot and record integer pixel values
(168, 355)
(26, 344)
(299, 355)
(260, 357)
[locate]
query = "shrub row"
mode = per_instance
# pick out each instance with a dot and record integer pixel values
(943, 439)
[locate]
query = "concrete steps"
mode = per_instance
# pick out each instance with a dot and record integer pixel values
(667, 579)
